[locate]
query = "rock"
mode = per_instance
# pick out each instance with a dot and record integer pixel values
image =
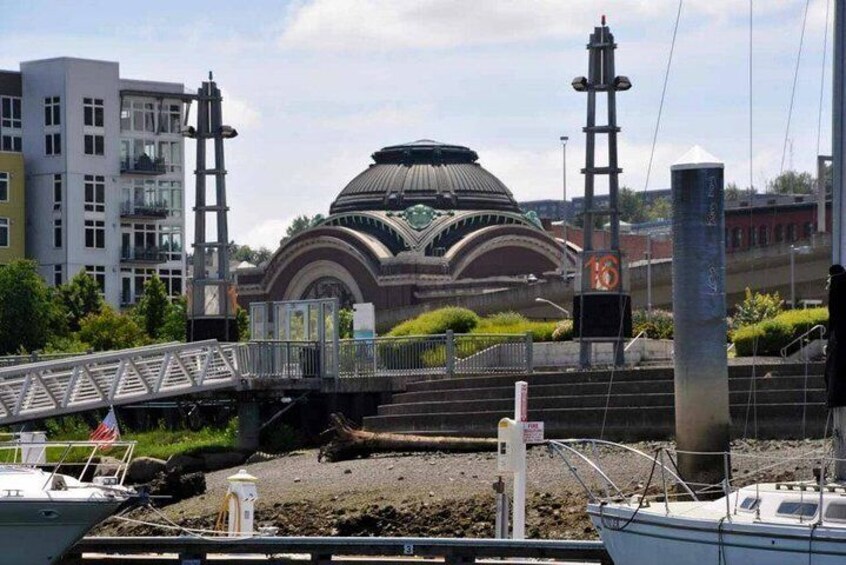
(348, 471)
(143, 470)
(107, 467)
(178, 485)
(223, 460)
(297, 479)
(185, 463)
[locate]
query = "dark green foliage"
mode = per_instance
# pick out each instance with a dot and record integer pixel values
(302, 223)
(26, 308)
(107, 330)
(242, 323)
(775, 333)
(459, 320)
(345, 323)
(792, 182)
(756, 307)
(175, 323)
(79, 298)
(657, 325)
(153, 307)
(238, 253)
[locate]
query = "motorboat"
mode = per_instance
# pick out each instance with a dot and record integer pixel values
(668, 520)
(44, 512)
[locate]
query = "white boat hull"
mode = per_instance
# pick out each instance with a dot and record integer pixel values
(38, 532)
(652, 539)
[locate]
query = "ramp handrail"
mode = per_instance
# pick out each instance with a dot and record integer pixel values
(818, 328)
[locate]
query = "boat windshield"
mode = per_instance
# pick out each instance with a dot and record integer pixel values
(795, 508)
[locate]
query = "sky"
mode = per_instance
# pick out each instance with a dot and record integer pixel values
(314, 87)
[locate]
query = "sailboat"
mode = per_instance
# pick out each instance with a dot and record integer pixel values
(784, 523)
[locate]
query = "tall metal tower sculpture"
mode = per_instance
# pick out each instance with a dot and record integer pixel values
(601, 308)
(211, 300)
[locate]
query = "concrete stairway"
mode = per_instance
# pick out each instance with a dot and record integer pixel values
(640, 405)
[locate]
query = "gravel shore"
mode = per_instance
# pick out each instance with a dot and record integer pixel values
(437, 494)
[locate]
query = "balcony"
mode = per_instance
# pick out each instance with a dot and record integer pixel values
(144, 210)
(143, 165)
(147, 254)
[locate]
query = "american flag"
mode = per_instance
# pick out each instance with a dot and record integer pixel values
(107, 432)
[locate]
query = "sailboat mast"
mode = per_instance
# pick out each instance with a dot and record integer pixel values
(838, 190)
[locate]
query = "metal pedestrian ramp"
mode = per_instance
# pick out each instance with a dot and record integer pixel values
(85, 382)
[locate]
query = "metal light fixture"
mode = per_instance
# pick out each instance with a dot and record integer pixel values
(554, 305)
(228, 132)
(580, 84)
(622, 83)
(189, 132)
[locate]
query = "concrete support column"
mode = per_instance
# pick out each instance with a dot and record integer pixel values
(249, 423)
(699, 312)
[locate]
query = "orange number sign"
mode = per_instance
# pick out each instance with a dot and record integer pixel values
(604, 272)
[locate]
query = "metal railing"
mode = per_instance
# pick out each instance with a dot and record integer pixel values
(34, 357)
(143, 165)
(151, 254)
(144, 209)
(281, 359)
(446, 354)
(803, 339)
(634, 340)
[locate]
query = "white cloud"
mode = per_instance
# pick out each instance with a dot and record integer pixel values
(238, 112)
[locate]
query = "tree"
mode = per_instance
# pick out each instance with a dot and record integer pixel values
(791, 182)
(631, 206)
(756, 308)
(107, 330)
(661, 209)
(246, 253)
(79, 298)
(175, 323)
(153, 307)
(732, 191)
(302, 223)
(25, 308)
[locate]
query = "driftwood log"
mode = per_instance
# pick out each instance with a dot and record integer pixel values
(349, 442)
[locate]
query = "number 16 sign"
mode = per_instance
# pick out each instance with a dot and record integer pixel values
(602, 269)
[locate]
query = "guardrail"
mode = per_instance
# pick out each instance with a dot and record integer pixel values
(446, 354)
(802, 339)
(35, 357)
(325, 550)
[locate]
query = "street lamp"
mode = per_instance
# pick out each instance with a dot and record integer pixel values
(801, 250)
(554, 305)
(565, 268)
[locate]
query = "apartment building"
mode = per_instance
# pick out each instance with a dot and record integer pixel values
(12, 215)
(104, 175)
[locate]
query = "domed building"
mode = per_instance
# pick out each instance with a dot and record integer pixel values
(424, 221)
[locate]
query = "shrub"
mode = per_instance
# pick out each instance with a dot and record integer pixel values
(775, 333)
(459, 320)
(657, 325)
(563, 331)
(107, 330)
(756, 308)
(514, 323)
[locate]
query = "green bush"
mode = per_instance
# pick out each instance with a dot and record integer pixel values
(773, 334)
(657, 325)
(514, 323)
(755, 308)
(459, 320)
(563, 331)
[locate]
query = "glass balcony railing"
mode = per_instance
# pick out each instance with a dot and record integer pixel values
(130, 209)
(143, 254)
(143, 165)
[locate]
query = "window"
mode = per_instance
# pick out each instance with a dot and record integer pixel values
(4, 186)
(95, 234)
(171, 152)
(791, 232)
(763, 235)
(94, 144)
(750, 504)
(170, 195)
(171, 242)
(52, 111)
(57, 192)
(53, 144)
(172, 279)
(57, 232)
(92, 110)
(137, 115)
(95, 193)
(57, 275)
(779, 233)
(797, 509)
(807, 229)
(737, 238)
(171, 118)
(98, 273)
(836, 512)
(10, 112)
(753, 236)
(4, 232)
(11, 143)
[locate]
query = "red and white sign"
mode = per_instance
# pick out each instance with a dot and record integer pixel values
(521, 401)
(533, 432)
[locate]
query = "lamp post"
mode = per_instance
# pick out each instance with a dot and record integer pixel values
(565, 268)
(648, 274)
(554, 305)
(801, 250)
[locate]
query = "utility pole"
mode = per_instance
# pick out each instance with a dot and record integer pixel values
(601, 307)
(649, 274)
(565, 267)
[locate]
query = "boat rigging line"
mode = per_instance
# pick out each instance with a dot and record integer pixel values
(793, 90)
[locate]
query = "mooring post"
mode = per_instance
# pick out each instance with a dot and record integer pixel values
(699, 313)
